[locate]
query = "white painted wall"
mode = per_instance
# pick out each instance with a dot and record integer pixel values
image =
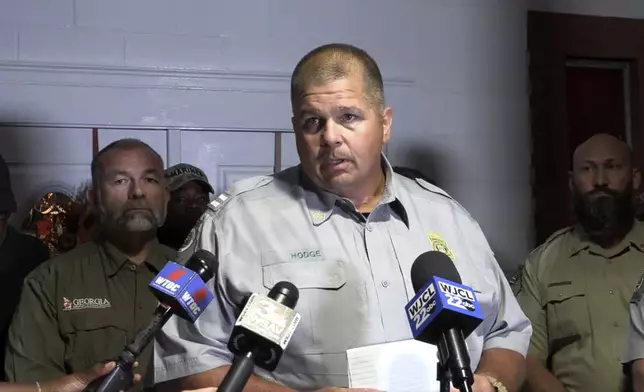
(617, 8)
(187, 71)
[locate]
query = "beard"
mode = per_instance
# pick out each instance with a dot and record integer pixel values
(132, 217)
(604, 211)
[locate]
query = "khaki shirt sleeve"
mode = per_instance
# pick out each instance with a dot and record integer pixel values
(531, 302)
(634, 344)
(35, 350)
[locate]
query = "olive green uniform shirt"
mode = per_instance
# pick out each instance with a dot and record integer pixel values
(81, 308)
(576, 295)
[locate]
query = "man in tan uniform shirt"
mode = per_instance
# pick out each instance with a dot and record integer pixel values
(575, 288)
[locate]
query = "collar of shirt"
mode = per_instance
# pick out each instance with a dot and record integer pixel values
(321, 203)
(158, 257)
(634, 238)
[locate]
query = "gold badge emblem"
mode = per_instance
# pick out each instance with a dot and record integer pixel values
(439, 244)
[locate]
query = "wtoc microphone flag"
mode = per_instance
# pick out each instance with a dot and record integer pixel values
(441, 302)
(183, 290)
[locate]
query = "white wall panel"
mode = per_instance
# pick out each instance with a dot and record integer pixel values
(227, 157)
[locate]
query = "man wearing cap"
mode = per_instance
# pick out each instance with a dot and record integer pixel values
(19, 255)
(189, 195)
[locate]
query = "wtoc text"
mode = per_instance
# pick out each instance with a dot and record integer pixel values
(458, 296)
(191, 303)
(422, 308)
(168, 284)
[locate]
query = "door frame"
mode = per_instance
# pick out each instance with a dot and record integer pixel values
(553, 40)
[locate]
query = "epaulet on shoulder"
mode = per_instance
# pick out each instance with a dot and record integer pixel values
(551, 240)
(558, 234)
(432, 188)
(237, 189)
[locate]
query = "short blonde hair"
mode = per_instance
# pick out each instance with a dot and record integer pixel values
(336, 61)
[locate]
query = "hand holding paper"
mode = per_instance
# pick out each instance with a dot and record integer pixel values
(403, 366)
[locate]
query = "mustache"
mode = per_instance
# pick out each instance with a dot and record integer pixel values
(136, 206)
(604, 191)
(334, 156)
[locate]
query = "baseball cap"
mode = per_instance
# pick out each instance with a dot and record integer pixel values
(7, 200)
(180, 174)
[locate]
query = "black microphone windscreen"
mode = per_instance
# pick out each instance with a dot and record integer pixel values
(203, 263)
(285, 293)
(430, 264)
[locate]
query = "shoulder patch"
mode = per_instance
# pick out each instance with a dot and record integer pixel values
(639, 290)
(516, 280)
(190, 239)
(432, 188)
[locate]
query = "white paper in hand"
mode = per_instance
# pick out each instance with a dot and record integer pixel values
(404, 366)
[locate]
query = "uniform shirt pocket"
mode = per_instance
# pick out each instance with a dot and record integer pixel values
(331, 304)
(566, 311)
(92, 336)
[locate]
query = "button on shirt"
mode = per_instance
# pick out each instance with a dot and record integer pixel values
(576, 295)
(79, 309)
(353, 275)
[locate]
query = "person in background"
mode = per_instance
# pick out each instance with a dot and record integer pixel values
(412, 173)
(189, 195)
(345, 230)
(19, 255)
(83, 306)
(575, 288)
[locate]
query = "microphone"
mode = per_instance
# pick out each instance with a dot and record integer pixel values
(261, 333)
(181, 290)
(444, 312)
